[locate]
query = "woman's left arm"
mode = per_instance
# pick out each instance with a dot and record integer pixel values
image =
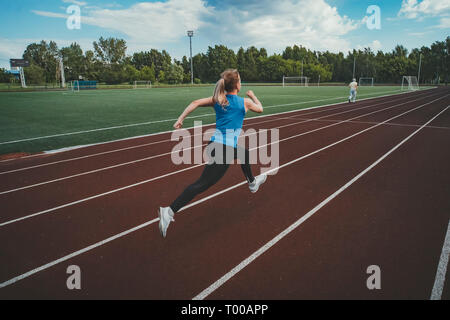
(206, 102)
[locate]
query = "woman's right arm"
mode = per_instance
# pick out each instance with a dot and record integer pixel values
(254, 104)
(206, 102)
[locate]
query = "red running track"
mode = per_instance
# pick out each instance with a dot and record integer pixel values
(395, 216)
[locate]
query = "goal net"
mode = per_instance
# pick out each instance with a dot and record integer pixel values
(295, 81)
(75, 86)
(142, 84)
(365, 82)
(410, 83)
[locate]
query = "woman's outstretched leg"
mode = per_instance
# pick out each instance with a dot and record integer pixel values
(253, 183)
(210, 176)
(244, 157)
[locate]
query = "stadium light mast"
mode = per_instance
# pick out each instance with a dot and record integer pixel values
(302, 67)
(190, 35)
(420, 65)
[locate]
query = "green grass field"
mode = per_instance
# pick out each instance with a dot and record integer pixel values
(27, 115)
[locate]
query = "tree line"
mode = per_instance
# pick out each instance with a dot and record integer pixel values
(109, 63)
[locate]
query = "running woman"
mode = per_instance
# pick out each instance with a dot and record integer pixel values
(353, 90)
(230, 112)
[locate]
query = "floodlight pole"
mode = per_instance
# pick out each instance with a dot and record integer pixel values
(22, 78)
(420, 65)
(190, 35)
(302, 67)
(61, 69)
(354, 66)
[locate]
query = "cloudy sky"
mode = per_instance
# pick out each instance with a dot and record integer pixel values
(335, 25)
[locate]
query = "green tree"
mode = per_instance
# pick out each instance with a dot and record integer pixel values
(159, 60)
(273, 68)
(5, 77)
(74, 61)
(44, 55)
(220, 58)
(148, 73)
(131, 74)
(111, 50)
(34, 74)
(174, 74)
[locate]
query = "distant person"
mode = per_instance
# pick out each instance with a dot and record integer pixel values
(230, 112)
(353, 90)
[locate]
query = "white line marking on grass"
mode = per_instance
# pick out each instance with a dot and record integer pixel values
(153, 122)
(439, 280)
(100, 129)
(165, 132)
(98, 244)
(273, 118)
(160, 155)
(208, 291)
(169, 140)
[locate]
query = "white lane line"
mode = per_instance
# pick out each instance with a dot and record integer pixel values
(168, 120)
(189, 168)
(95, 196)
(165, 132)
(99, 129)
(273, 118)
(208, 291)
(76, 253)
(168, 153)
(439, 280)
(375, 122)
(98, 244)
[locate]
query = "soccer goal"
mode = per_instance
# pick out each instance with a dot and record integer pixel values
(295, 81)
(75, 86)
(410, 83)
(142, 84)
(365, 82)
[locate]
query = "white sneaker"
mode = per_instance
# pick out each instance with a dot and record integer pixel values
(165, 218)
(259, 180)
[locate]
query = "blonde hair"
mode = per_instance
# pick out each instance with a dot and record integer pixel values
(229, 80)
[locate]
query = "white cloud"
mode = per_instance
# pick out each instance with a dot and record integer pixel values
(413, 9)
(14, 48)
(265, 23)
(445, 23)
(50, 14)
(311, 23)
(152, 22)
(375, 45)
(78, 3)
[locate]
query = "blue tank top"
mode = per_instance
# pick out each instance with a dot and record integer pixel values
(229, 121)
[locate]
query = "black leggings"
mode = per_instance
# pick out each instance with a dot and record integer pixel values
(214, 171)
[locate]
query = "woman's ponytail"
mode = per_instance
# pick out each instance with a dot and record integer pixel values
(219, 93)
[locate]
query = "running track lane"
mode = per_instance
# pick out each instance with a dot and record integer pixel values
(54, 168)
(396, 217)
(164, 137)
(61, 192)
(105, 216)
(214, 226)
